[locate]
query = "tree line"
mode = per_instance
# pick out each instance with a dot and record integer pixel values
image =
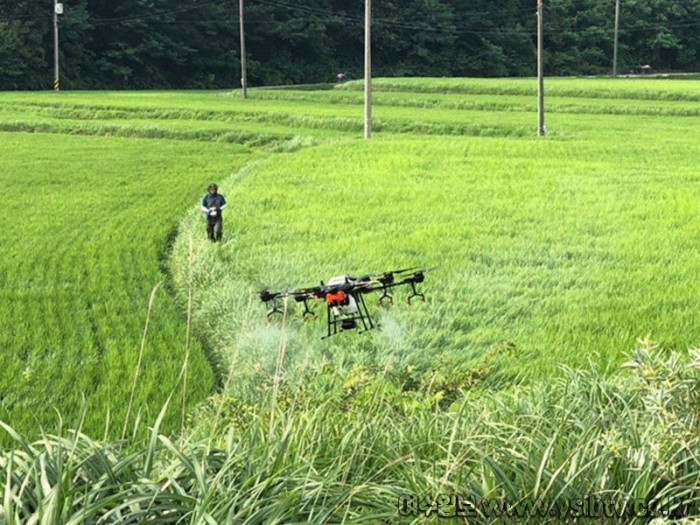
(143, 44)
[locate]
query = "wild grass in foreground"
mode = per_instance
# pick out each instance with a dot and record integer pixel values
(330, 451)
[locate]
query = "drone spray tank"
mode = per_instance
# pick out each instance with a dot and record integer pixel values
(340, 302)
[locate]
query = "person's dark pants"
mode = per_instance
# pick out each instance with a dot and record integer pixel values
(215, 228)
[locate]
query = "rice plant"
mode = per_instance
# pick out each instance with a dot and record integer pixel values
(85, 223)
(555, 256)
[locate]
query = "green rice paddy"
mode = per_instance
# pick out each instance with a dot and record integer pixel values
(562, 250)
(86, 223)
(553, 255)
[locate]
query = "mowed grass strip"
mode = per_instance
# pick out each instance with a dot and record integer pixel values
(608, 88)
(298, 115)
(253, 129)
(487, 102)
(84, 224)
(477, 107)
(227, 107)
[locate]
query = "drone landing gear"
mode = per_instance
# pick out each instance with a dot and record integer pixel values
(272, 311)
(413, 295)
(308, 314)
(385, 295)
(419, 278)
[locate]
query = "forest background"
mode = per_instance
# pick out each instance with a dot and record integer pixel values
(169, 44)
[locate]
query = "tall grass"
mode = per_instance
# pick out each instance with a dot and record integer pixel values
(349, 454)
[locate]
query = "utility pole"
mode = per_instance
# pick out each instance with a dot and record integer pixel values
(57, 10)
(368, 69)
(244, 74)
(617, 28)
(540, 70)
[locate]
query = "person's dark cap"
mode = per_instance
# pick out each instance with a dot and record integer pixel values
(212, 185)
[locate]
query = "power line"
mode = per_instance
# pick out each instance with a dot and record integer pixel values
(280, 3)
(456, 30)
(329, 16)
(457, 27)
(129, 18)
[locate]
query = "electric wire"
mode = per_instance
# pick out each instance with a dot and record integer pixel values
(329, 16)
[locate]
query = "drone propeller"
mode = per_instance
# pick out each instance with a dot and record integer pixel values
(389, 277)
(310, 290)
(404, 270)
(300, 296)
(389, 280)
(297, 295)
(365, 278)
(424, 270)
(266, 295)
(391, 273)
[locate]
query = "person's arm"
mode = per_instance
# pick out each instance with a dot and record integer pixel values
(223, 202)
(204, 204)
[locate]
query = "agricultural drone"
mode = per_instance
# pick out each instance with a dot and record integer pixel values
(346, 308)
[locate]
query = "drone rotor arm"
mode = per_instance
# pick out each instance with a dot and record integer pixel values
(384, 286)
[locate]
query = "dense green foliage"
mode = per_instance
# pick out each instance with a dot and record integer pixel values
(162, 43)
(84, 223)
(555, 251)
(334, 452)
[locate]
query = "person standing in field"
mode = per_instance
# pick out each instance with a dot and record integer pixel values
(213, 204)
